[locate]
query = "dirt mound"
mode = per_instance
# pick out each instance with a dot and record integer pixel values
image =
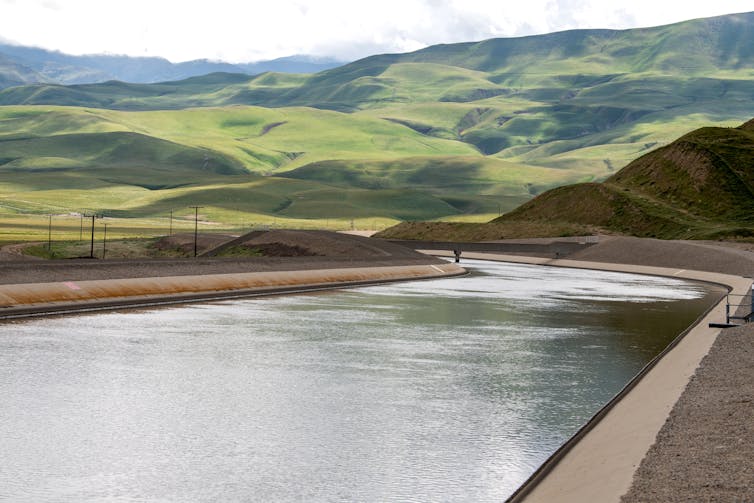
(275, 251)
(726, 258)
(183, 244)
(15, 252)
(266, 250)
(298, 243)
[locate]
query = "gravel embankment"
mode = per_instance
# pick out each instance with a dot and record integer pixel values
(82, 270)
(705, 449)
(726, 258)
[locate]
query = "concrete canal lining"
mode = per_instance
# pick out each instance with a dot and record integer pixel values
(599, 461)
(30, 299)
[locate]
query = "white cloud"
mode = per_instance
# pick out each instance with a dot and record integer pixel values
(237, 30)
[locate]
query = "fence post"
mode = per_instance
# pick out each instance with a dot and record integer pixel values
(727, 310)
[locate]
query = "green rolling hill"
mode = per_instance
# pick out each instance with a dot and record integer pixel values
(143, 163)
(701, 186)
(451, 131)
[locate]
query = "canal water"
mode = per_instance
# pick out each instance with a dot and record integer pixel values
(443, 390)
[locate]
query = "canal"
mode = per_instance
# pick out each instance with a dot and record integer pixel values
(443, 390)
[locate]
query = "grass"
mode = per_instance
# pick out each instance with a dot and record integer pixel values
(148, 167)
(112, 248)
(119, 248)
(241, 251)
(390, 172)
(487, 231)
(28, 228)
(256, 139)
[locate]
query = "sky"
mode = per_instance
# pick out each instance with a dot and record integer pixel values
(244, 31)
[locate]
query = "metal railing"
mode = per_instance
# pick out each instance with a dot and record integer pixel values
(743, 300)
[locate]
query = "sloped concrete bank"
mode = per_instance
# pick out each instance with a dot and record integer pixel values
(34, 299)
(599, 462)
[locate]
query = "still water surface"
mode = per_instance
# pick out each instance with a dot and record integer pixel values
(443, 390)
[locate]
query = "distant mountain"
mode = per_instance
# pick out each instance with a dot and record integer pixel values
(15, 74)
(608, 76)
(43, 66)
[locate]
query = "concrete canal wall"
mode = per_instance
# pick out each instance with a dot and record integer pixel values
(28, 299)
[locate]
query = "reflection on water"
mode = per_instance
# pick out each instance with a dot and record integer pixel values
(443, 390)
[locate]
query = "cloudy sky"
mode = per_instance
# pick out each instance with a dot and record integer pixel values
(252, 30)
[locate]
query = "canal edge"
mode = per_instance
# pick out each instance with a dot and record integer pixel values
(98, 295)
(598, 462)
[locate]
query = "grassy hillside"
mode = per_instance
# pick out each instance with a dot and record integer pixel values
(463, 131)
(143, 164)
(587, 99)
(708, 173)
(698, 187)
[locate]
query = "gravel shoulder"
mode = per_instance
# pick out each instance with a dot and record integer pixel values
(704, 451)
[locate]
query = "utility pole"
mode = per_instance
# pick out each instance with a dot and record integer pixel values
(104, 243)
(91, 252)
(49, 234)
(196, 225)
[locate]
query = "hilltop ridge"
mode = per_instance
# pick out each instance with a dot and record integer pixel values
(537, 67)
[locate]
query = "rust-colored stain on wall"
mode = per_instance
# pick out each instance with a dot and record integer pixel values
(83, 291)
